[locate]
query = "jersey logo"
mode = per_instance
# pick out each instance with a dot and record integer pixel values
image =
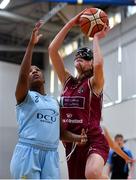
(69, 115)
(47, 115)
(72, 102)
(80, 90)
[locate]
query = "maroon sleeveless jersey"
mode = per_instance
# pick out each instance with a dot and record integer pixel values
(80, 107)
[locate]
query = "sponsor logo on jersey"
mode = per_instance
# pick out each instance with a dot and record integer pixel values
(47, 115)
(73, 121)
(69, 115)
(72, 102)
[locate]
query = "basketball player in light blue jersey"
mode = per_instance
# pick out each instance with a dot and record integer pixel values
(35, 155)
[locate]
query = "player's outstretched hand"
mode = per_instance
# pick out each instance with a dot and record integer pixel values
(75, 20)
(130, 160)
(35, 36)
(103, 32)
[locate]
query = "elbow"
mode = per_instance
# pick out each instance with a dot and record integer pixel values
(52, 48)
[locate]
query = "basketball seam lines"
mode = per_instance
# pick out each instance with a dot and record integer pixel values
(91, 20)
(96, 20)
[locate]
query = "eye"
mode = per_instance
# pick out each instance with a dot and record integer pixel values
(38, 69)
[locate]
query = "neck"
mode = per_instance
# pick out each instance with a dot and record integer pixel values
(86, 74)
(38, 89)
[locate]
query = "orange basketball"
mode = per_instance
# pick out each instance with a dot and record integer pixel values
(92, 21)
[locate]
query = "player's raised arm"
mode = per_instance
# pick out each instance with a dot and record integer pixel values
(22, 84)
(55, 45)
(98, 78)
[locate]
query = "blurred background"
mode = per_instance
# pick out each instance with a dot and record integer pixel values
(17, 19)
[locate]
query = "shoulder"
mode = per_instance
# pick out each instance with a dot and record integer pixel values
(96, 87)
(27, 99)
(67, 75)
(96, 93)
(69, 80)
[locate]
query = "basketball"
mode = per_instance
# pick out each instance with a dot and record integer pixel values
(92, 21)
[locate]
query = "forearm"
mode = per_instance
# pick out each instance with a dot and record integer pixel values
(58, 40)
(118, 150)
(27, 60)
(114, 145)
(68, 136)
(98, 58)
(98, 75)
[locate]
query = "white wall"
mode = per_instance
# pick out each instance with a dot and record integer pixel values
(8, 133)
(121, 118)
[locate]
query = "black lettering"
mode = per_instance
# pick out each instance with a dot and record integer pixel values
(39, 116)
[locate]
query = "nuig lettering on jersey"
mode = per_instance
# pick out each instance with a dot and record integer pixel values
(47, 115)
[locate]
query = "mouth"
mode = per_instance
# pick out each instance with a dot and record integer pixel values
(35, 76)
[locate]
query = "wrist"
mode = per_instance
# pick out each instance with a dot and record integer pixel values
(96, 36)
(31, 44)
(77, 138)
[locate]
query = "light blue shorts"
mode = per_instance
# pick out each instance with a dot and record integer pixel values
(29, 162)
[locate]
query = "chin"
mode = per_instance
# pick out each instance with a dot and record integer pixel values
(36, 83)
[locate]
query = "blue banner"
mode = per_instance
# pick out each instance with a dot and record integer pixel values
(100, 2)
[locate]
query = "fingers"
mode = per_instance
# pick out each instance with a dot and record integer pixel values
(131, 161)
(83, 136)
(106, 28)
(39, 36)
(79, 14)
(83, 132)
(83, 140)
(82, 12)
(39, 24)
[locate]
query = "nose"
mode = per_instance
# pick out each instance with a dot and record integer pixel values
(34, 71)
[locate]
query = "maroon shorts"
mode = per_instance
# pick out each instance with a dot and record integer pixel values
(77, 162)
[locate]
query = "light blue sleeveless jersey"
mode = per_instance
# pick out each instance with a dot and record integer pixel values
(39, 120)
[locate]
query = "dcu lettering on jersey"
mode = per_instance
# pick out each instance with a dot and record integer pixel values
(47, 115)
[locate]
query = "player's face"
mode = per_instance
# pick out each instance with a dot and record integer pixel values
(82, 65)
(35, 76)
(119, 141)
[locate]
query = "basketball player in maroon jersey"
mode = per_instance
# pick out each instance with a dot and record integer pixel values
(81, 103)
